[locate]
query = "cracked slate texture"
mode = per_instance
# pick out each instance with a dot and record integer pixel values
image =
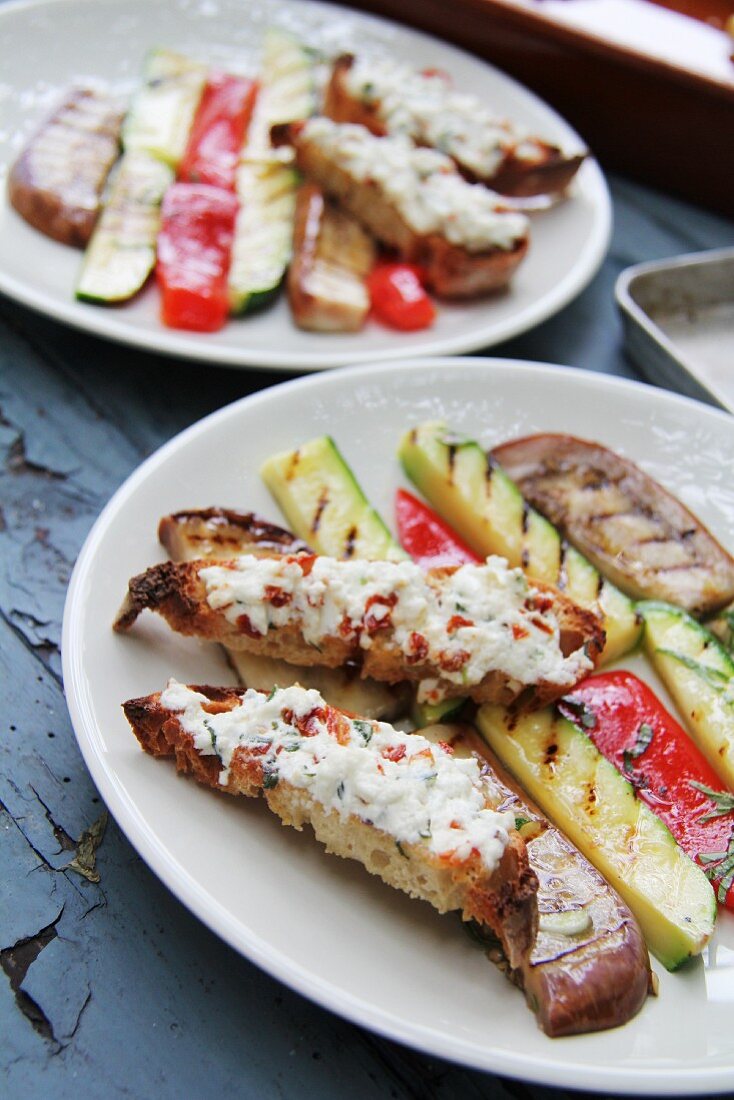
(112, 988)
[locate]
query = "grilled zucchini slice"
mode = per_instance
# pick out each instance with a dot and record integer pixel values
(699, 674)
(475, 496)
(163, 110)
(556, 762)
(324, 504)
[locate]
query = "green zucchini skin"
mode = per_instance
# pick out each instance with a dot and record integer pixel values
(163, 109)
(324, 504)
(698, 672)
(122, 250)
(585, 796)
(477, 498)
(266, 186)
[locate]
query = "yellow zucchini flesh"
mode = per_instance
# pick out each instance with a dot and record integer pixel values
(590, 801)
(477, 498)
(324, 504)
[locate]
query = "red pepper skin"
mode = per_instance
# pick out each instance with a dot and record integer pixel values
(218, 131)
(612, 707)
(425, 536)
(194, 246)
(398, 298)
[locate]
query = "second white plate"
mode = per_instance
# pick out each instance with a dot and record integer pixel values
(356, 946)
(46, 44)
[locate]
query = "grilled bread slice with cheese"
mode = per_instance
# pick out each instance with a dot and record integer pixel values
(415, 202)
(223, 533)
(482, 631)
(390, 98)
(404, 808)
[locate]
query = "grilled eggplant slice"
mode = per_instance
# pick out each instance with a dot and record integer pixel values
(628, 525)
(390, 98)
(332, 255)
(589, 968)
(57, 181)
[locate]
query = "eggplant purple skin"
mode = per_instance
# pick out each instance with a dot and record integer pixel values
(633, 530)
(57, 182)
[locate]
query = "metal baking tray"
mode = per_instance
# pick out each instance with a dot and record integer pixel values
(678, 318)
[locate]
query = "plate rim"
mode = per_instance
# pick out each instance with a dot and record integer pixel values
(535, 1069)
(192, 346)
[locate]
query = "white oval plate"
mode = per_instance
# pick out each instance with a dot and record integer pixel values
(356, 946)
(45, 44)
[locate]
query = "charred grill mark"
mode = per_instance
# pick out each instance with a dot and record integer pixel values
(525, 557)
(350, 542)
(293, 461)
(451, 458)
(550, 754)
(323, 501)
(525, 517)
(246, 527)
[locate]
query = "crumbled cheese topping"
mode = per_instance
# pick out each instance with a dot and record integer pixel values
(465, 624)
(423, 185)
(415, 791)
(426, 109)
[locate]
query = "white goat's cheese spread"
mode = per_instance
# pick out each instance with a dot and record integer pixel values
(411, 789)
(423, 185)
(465, 624)
(425, 108)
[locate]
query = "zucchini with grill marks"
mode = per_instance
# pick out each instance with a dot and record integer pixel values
(121, 253)
(163, 110)
(325, 505)
(699, 674)
(473, 494)
(555, 761)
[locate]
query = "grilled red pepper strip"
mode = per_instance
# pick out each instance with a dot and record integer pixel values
(632, 729)
(425, 536)
(194, 246)
(398, 298)
(218, 131)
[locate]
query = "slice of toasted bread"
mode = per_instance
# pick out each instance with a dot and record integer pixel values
(516, 164)
(497, 891)
(538, 616)
(465, 242)
(221, 533)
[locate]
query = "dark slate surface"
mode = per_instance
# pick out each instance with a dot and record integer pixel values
(111, 988)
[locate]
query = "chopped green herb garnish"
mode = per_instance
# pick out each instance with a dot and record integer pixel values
(520, 821)
(272, 693)
(644, 737)
(270, 777)
(212, 734)
(364, 729)
(582, 714)
(340, 789)
(723, 800)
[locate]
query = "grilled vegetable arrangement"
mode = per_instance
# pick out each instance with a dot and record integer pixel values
(95, 175)
(652, 813)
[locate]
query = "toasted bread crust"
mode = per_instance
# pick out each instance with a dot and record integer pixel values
(450, 270)
(504, 900)
(176, 591)
(549, 172)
